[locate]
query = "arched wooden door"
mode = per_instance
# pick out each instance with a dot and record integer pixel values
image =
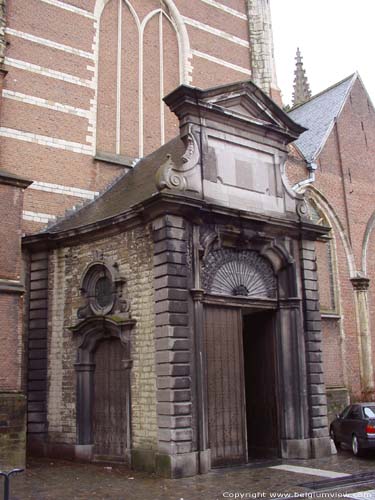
(111, 402)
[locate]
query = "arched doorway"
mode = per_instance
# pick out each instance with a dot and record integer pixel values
(103, 388)
(110, 404)
(240, 346)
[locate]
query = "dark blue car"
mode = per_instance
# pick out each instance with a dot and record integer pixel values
(355, 427)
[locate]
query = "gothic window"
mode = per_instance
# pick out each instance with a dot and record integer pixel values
(140, 60)
(325, 255)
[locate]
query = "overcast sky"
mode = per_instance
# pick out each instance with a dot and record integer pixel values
(336, 38)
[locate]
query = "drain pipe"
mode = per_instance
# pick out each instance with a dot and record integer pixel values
(311, 167)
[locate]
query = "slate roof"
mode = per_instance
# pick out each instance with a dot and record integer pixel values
(318, 115)
(132, 187)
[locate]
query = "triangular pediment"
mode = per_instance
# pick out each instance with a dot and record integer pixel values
(243, 100)
(245, 106)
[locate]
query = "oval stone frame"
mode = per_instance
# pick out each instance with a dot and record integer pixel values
(95, 272)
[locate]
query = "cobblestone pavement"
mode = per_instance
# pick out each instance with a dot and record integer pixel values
(47, 479)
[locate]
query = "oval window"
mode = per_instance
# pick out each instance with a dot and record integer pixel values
(103, 292)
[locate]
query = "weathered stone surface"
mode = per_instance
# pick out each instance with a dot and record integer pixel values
(319, 411)
(170, 269)
(172, 344)
(312, 346)
(173, 383)
(170, 246)
(175, 434)
(171, 395)
(12, 430)
(170, 282)
(174, 409)
(132, 252)
(319, 422)
(311, 285)
(315, 367)
(172, 331)
(165, 370)
(170, 233)
(168, 221)
(169, 257)
(174, 422)
(171, 306)
(171, 294)
(320, 399)
(316, 378)
(172, 357)
(172, 319)
(315, 357)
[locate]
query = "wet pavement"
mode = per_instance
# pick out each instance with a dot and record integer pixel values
(48, 479)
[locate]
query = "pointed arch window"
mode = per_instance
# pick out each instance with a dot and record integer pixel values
(142, 56)
(326, 262)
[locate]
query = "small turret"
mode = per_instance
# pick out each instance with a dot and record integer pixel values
(302, 92)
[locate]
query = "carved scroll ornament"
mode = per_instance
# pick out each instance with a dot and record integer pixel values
(184, 177)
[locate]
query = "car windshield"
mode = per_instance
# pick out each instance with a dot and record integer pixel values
(369, 411)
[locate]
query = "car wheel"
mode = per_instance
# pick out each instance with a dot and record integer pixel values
(356, 448)
(333, 437)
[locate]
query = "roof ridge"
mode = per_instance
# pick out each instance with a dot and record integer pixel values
(328, 89)
(319, 115)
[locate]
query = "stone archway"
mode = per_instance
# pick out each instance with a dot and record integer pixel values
(252, 292)
(263, 299)
(94, 332)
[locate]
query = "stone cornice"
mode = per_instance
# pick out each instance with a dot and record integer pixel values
(11, 286)
(190, 207)
(13, 180)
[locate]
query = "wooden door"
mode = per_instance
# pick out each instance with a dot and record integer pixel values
(225, 385)
(110, 412)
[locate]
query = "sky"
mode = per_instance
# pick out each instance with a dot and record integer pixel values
(336, 38)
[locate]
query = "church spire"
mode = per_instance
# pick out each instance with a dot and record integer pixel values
(302, 92)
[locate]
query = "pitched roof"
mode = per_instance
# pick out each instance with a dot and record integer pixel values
(318, 116)
(132, 187)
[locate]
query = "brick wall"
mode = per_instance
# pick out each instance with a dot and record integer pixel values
(68, 93)
(345, 178)
(11, 198)
(371, 272)
(12, 401)
(11, 342)
(133, 252)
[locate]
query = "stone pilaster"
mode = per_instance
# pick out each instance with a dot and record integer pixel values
(263, 72)
(37, 352)
(361, 285)
(176, 457)
(12, 399)
(320, 443)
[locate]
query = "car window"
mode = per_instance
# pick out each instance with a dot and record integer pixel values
(345, 412)
(369, 411)
(355, 413)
